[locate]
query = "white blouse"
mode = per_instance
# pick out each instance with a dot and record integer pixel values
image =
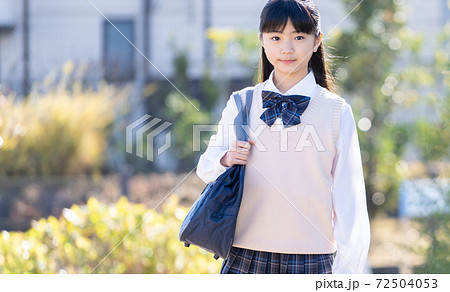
(348, 191)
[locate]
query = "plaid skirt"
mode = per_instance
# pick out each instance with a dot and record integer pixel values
(248, 261)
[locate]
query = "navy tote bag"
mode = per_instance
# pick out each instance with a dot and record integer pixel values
(211, 221)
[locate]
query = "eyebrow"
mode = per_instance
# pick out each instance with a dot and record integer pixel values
(293, 32)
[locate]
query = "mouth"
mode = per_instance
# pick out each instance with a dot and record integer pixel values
(287, 61)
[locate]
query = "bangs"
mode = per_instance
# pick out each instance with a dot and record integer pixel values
(278, 13)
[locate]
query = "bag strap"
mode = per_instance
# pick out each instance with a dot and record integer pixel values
(248, 105)
(243, 114)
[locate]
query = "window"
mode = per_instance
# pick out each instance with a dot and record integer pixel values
(118, 52)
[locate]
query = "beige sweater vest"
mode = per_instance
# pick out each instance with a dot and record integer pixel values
(287, 205)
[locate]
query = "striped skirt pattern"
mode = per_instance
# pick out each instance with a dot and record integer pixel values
(248, 261)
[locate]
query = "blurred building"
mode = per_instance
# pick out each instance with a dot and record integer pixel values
(38, 36)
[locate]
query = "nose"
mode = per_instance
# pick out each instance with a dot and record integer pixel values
(287, 48)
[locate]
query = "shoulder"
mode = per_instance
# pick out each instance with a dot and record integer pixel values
(231, 103)
(252, 90)
(338, 101)
(342, 114)
(331, 96)
(243, 91)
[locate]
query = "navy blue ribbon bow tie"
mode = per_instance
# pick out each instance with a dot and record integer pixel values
(290, 107)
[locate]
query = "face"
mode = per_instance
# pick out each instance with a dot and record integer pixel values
(290, 51)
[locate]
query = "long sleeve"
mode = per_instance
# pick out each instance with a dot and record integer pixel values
(209, 166)
(350, 217)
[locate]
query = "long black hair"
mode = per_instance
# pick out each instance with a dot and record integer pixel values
(305, 18)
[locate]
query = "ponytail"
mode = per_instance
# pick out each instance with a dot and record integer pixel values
(265, 67)
(322, 73)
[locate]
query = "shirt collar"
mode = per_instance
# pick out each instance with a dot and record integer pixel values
(306, 86)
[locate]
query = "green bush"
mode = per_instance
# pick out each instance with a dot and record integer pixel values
(186, 111)
(84, 235)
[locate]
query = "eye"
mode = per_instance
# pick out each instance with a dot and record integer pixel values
(273, 38)
(299, 37)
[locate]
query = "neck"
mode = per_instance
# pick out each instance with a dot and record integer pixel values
(284, 82)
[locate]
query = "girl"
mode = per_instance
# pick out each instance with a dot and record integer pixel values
(304, 194)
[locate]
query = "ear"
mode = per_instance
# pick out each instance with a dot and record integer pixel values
(261, 39)
(318, 42)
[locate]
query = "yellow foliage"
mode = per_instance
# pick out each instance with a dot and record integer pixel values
(61, 132)
(221, 37)
(84, 235)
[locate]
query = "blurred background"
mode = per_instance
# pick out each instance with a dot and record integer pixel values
(75, 74)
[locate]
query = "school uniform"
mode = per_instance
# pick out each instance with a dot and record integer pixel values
(304, 193)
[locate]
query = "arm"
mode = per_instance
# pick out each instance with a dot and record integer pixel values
(350, 217)
(209, 166)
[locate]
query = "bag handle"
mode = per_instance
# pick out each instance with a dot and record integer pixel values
(242, 117)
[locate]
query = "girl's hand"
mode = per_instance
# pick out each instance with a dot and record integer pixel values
(238, 153)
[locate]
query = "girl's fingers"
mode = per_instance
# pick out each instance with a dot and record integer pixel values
(243, 144)
(244, 150)
(240, 150)
(242, 157)
(239, 161)
(238, 157)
